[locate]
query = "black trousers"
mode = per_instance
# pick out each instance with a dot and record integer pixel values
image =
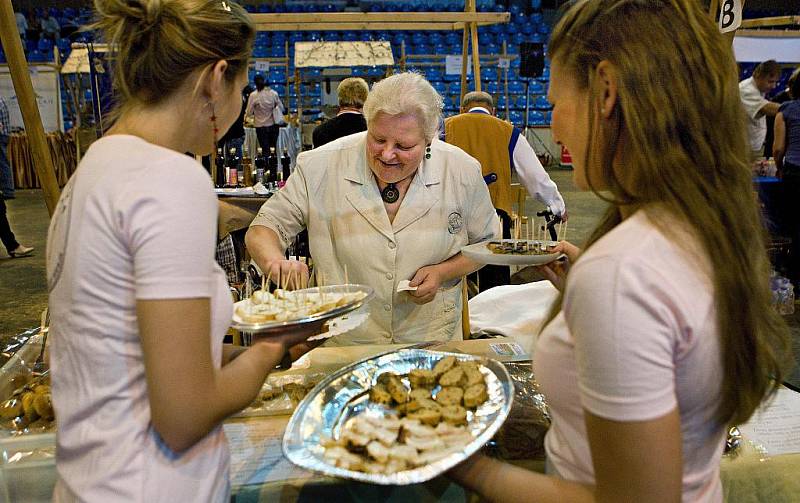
(791, 216)
(268, 137)
(6, 236)
(490, 276)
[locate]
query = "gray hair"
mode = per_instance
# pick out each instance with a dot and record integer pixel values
(406, 93)
(478, 98)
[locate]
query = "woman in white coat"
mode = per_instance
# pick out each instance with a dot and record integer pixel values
(389, 204)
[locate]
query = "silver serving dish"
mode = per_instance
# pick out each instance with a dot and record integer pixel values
(345, 394)
(283, 326)
(481, 253)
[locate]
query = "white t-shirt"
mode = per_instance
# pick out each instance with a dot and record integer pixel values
(753, 101)
(636, 338)
(136, 221)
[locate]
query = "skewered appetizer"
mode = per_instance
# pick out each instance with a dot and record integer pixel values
(288, 305)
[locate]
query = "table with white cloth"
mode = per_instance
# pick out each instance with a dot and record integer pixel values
(288, 138)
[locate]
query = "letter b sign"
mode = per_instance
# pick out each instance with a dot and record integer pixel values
(730, 15)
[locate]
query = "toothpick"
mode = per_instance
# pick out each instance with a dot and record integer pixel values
(564, 236)
(346, 280)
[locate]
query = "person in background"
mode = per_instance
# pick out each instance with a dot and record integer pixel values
(500, 148)
(7, 237)
(234, 137)
(786, 149)
(351, 93)
(139, 308)
(780, 98)
(665, 335)
(22, 24)
(50, 27)
(389, 204)
(260, 106)
(752, 91)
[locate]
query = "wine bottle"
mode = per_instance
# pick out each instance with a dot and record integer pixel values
(219, 169)
(286, 163)
(272, 165)
(246, 168)
(233, 168)
(261, 166)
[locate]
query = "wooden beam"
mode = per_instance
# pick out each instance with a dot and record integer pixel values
(382, 17)
(476, 58)
(769, 33)
(42, 162)
(353, 26)
(464, 54)
(770, 21)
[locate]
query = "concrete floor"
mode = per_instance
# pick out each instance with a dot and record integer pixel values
(23, 285)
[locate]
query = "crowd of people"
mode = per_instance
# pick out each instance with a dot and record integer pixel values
(647, 357)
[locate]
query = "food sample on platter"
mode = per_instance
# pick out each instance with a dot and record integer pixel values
(519, 247)
(432, 408)
(287, 305)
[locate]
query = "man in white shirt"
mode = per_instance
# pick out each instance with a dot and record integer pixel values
(752, 91)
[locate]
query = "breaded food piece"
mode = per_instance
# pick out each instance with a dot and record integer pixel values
(453, 377)
(419, 393)
(403, 452)
(379, 394)
(384, 378)
(424, 443)
(454, 414)
(397, 389)
(422, 378)
(355, 439)
(450, 395)
(422, 403)
(395, 465)
(378, 451)
(474, 376)
(443, 365)
(415, 428)
(427, 416)
(475, 395)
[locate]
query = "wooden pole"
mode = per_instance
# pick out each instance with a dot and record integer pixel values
(18, 66)
(476, 61)
(464, 53)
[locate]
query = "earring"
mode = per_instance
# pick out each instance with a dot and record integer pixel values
(603, 110)
(214, 128)
(428, 152)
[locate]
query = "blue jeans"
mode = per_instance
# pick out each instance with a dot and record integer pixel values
(6, 177)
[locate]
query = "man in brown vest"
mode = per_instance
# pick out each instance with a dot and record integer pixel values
(500, 147)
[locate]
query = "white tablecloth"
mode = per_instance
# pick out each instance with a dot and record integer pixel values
(516, 311)
(288, 138)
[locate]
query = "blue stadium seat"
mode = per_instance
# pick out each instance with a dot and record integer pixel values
(541, 103)
(455, 86)
(440, 87)
(493, 87)
(442, 50)
(421, 49)
(516, 118)
(488, 73)
(536, 118)
(419, 38)
(516, 87)
(535, 87)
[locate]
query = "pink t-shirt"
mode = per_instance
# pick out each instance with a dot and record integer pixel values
(136, 221)
(636, 338)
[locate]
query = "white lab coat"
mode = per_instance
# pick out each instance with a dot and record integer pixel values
(333, 194)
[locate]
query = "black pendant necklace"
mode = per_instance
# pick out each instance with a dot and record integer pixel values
(390, 193)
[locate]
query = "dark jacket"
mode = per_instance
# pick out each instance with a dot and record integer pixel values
(341, 125)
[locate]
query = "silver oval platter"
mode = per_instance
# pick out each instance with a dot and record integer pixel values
(481, 253)
(322, 416)
(301, 296)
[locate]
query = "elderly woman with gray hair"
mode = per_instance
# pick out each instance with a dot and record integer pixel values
(389, 204)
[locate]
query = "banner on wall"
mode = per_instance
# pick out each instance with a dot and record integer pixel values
(48, 96)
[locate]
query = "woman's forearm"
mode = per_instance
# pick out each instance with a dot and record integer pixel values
(497, 481)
